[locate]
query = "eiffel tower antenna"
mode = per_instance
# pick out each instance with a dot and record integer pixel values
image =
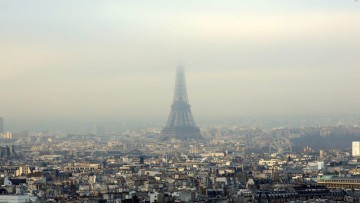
(180, 124)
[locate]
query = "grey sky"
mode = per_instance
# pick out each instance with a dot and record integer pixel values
(88, 61)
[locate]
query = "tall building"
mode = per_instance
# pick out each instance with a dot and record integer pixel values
(7, 152)
(7, 135)
(1, 125)
(356, 148)
(180, 124)
(98, 130)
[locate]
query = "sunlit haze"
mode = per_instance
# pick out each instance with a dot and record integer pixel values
(67, 63)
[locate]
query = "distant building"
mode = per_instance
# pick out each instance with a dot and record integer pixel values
(356, 148)
(322, 154)
(331, 181)
(1, 125)
(14, 198)
(7, 152)
(98, 130)
(7, 135)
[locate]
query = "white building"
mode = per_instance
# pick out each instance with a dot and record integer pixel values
(155, 197)
(321, 165)
(15, 198)
(314, 167)
(356, 148)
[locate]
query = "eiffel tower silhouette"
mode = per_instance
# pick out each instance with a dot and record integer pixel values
(180, 124)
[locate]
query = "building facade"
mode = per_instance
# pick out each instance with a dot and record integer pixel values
(1, 125)
(356, 148)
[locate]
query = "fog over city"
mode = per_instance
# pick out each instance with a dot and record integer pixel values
(68, 63)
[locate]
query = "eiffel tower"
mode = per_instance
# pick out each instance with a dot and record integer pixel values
(180, 124)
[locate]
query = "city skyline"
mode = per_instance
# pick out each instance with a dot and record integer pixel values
(69, 63)
(264, 105)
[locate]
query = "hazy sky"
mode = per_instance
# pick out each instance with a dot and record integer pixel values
(80, 61)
